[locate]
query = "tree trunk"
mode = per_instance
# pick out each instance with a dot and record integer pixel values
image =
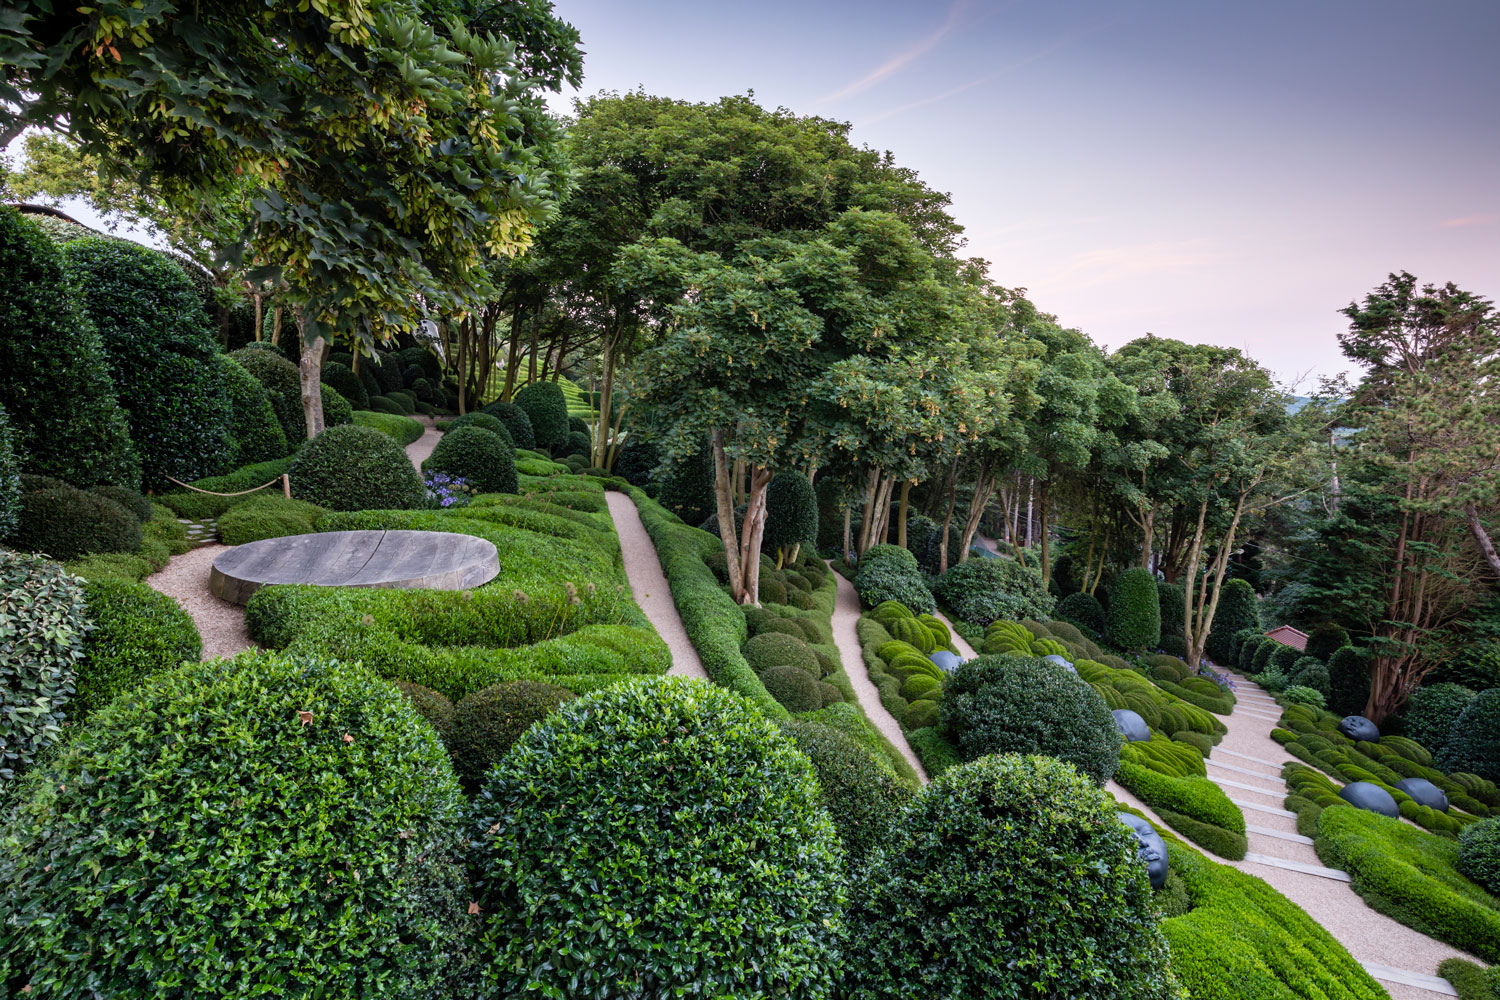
(848, 518)
(259, 298)
(1482, 537)
(1030, 496)
(311, 369)
(752, 532)
(276, 313)
(982, 487)
(951, 489)
(724, 505)
(1046, 530)
(600, 451)
(872, 486)
(901, 518)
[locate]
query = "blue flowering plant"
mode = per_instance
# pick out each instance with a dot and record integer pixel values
(445, 490)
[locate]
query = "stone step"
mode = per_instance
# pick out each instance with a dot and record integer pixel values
(1246, 756)
(1237, 769)
(1271, 810)
(1275, 793)
(1266, 831)
(1417, 980)
(1257, 713)
(1333, 874)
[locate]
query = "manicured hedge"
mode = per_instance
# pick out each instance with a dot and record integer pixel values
(283, 387)
(1170, 598)
(66, 523)
(10, 477)
(342, 380)
(1083, 610)
(482, 458)
(487, 723)
(255, 435)
(200, 775)
(981, 590)
(1008, 877)
(1473, 744)
(197, 506)
(1238, 609)
(1479, 854)
(404, 430)
(791, 513)
(864, 799)
(268, 515)
(547, 409)
(1432, 710)
(651, 835)
(1348, 681)
(43, 624)
(137, 632)
(890, 573)
(1134, 610)
(355, 468)
(1192, 805)
(1325, 640)
(516, 422)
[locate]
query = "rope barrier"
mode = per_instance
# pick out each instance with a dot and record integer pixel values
(283, 479)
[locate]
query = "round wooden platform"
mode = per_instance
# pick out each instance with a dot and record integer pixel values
(435, 560)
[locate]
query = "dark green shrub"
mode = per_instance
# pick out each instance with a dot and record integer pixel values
(890, 573)
(1479, 854)
(1010, 704)
(1084, 611)
(43, 621)
(1283, 657)
(773, 649)
(687, 487)
(863, 798)
(131, 500)
(636, 460)
(366, 375)
(544, 404)
(1471, 980)
(1473, 743)
(1263, 654)
(342, 380)
(576, 443)
(791, 513)
(383, 404)
(1432, 710)
(403, 401)
(403, 430)
(206, 772)
(137, 632)
(981, 590)
(160, 348)
(387, 369)
(1309, 672)
(10, 478)
(268, 515)
(483, 421)
(336, 409)
(641, 811)
(355, 468)
(1134, 610)
(797, 690)
(1238, 609)
(516, 422)
(1019, 850)
(1170, 597)
(66, 523)
(283, 387)
(431, 706)
(487, 723)
(54, 374)
(482, 458)
(255, 435)
(1325, 640)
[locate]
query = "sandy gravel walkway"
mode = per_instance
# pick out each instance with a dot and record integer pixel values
(846, 638)
(964, 649)
(419, 449)
(185, 580)
(648, 585)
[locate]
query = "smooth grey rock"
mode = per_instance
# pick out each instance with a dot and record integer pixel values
(1357, 727)
(1061, 661)
(945, 661)
(1424, 793)
(1131, 725)
(433, 560)
(1150, 847)
(1366, 795)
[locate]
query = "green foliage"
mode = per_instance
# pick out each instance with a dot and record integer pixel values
(1309, 672)
(1479, 854)
(797, 690)
(431, 706)
(1001, 704)
(482, 420)
(1412, 876)
(255, 435)
(1238, 609)
(864, 799)
(483, 458)
(137, 632)
(771, 649)
(403, 429)
(43, 623)
(547, 409)
(336, 409)
(1015, 849)
(54, 374)
(687, 487)
(355, 468)
(198, 506)
(66, 523)
(1134, 610)
(1083, 610)
(268, 515)
(487, 723)
(1193, 805)
(160, 350)
(1432, 710)
(131, 500)
(205, 771)
(1163, 710)
(516, 422)
(1325, 640)
(982, 590)
(644, 809)
(283, 387)
(890, 573)
(1470, 980)
(1170, 597)
(1283, 657)
(1348, 681)
(1300, 694)
(1473, 744)
(791, 512)
(342, 380)
(10, 477)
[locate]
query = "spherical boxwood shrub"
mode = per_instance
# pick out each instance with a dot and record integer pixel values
(1011, 704)
(202, 777)
(1309, 672)
(336, 409)
(355, 468)
(516, 422)
(482, 458)
(1432, 710)
(283, 387)
(775, 649)
(43, 620)
(657, 833)
(131, 500)
(1083, 610)
(66, 523)
(430, 705)
(1007, 877)
(1239, 608)
(1479, 853)
(137, 632)
(1134, 610)
(1348, 681)
(890, 573)
(547, 408)
(483, 421)
(487, 723)
(797, 690)
(1473, 744)
(863, 798)
(268, 516)
(10, 477)
(981, 590)
(791, 512)
(54, 375)
(1325, 640)
(342, 380)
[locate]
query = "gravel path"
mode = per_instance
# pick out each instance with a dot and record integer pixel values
(185, 580)
(846, 638)
(419, 449)
(648, 585)
(964, 649)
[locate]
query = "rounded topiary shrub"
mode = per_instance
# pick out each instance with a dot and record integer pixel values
(863, 798)
(1007, 877)
(1473, 744)
(268, 516)
(659, 832)
(1309, 672)
(137, 632)
(66, 523)
(797, 690)
(516, 422)
(336, 409)
(890, 573)
(982, 590)
(54, 375)
(547, 408)
(1084, 611)
(483, 459)
(791, 513)
(132, 500)
(1134, 610)
(1325, 640)
(636, 460)
(283, 387)
(1479, 853)
(1349, 682)
(1011, 704)
(43, 621)
(1432, 710)
(201, 777)
(430, 705)
(355, 468)
(1239, 608)
(776, 649)
(487, 723)
(342, 380)
(483, 421)
(1170, 598)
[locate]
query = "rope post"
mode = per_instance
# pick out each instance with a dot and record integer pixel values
(286, 485)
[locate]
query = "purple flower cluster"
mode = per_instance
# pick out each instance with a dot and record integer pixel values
(1222, 678)
(444, 490)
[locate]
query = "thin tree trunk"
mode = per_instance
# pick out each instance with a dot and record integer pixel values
(1476, 528)
(513, 354)
(982, 487)
(848, 518)
(951, 489)
(310, 370)
(1046, 541)
(276, 312)
(751, 534)
(901, 518)
(1030, 496)
(872, 484)
(724, 505)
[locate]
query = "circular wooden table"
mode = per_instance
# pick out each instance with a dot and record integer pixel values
(434, 560)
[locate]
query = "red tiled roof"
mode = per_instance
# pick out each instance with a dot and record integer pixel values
(1288, 636)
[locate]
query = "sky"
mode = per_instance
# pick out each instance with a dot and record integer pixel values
(1218, 173)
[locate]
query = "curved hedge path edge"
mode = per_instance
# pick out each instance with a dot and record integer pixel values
(185, 580)
(846, 612)
(648, 585)
(419, 450)
(964, 649)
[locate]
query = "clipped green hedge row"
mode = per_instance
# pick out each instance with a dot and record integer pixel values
(404, 429)
(1215, 822)
(137, 632)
